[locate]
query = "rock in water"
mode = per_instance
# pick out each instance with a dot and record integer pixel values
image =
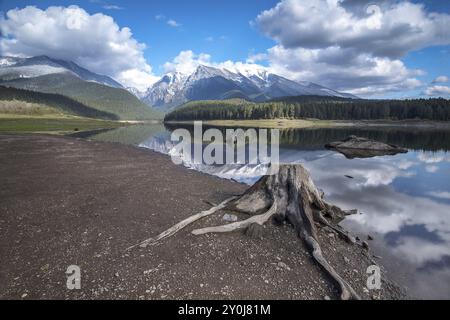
(358, 147)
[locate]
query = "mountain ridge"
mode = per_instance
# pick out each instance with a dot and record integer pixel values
(173, 89)
(23, 66)
(212, 83)
(47, 75)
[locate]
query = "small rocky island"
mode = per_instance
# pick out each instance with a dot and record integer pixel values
(358, 147)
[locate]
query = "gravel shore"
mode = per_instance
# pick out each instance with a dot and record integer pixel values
(66, 201)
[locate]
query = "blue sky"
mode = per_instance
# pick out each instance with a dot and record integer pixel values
(227, 23)
(289, 39)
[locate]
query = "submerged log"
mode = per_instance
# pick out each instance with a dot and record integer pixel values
(357, 147)
(290, 195)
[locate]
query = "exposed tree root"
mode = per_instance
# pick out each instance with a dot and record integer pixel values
(182, 224)
(344, 234)
(347, 292)
(289, 195)
(259, 219)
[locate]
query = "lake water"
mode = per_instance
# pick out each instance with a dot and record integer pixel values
(403, 200)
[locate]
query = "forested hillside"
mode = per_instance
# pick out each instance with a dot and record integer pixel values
(56, 101)
(315, 107)
(120, 102)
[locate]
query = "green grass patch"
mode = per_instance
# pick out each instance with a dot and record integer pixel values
(52, 124)
(28, 109)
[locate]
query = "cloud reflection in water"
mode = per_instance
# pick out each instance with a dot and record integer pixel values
(404, 201)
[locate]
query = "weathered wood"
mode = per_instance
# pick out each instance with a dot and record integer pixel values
(290, 195)
(182, 224)
(259, 219)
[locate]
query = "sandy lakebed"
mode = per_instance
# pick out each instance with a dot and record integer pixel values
(67, 201)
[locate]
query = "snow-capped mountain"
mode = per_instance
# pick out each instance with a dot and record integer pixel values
(138, 94)
(14, 67)
(206, 82)
(167, 91)
(174, 88)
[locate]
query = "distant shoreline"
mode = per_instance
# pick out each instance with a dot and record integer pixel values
(314, 123)
(58, 124)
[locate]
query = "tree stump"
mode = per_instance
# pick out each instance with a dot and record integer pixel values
(290, 195)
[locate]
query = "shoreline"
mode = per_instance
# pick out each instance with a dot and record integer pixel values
(61, 125)
(71, 201)
(55, 125)
(319, 124)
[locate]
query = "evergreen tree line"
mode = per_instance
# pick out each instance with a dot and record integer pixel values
(436, 109)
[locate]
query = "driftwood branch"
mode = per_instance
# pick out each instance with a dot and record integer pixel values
(182, 224)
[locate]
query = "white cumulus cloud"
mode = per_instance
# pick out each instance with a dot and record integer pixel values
(173, 23)
(94, 41)
(389, 30)
(438, 91)
(441, 79)
(343, 69)
(350, 45)
(440, 194)
(112, 7)
(187, 61)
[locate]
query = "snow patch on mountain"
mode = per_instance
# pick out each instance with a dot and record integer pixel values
(16, 68)
(207, 82)
(29, 71)
(8, 61)
(138, 94)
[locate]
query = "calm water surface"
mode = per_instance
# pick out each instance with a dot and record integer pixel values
(403, 200)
